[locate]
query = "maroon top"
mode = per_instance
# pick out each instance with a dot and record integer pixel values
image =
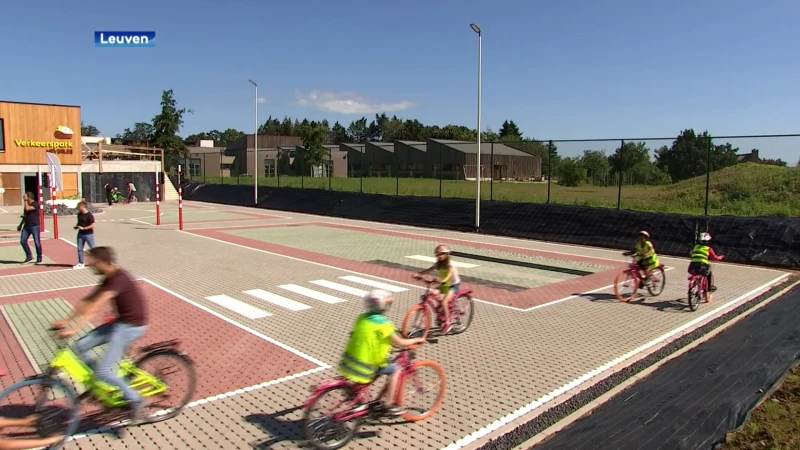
(129, 301)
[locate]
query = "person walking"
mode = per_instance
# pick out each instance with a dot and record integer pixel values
(109, 196)
(30, 226)
(85, 227)
(131, 191)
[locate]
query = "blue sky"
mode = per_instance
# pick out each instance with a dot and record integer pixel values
(561, 70)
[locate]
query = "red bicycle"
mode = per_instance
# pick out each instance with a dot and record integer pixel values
(630, 280)
(418, 319)
(353, 404)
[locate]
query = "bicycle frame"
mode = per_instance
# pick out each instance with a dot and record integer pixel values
(699, 282)
(431, 300)
(146, 384)
(361, 391)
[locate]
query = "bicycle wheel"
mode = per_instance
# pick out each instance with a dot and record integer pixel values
(413, 384)
(625, 286)
(658, 279)
(693, 296)
(166, 364)
(462, 313)
(323, 432)
(417, 322)
(54, 402)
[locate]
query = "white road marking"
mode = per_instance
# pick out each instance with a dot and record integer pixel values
(276, 299)
(340, 287)
(251, 312)
(312, 293)
(431, 259)
(373, 283)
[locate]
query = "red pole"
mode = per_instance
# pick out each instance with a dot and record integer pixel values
(180, 207)
(41, 201)
(54, 208)
(158, 203)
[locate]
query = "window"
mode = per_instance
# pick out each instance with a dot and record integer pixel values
(2, 135)
(194, 167)
(270, 168)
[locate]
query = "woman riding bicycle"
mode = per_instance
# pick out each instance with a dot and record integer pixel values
(450, 281)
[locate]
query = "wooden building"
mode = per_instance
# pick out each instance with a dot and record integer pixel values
(498, 161)
(243, 151)
(412, 156)
(27, 132)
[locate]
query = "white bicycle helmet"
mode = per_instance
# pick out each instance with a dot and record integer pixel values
(377, 301)
(705, 238)
(645, 234)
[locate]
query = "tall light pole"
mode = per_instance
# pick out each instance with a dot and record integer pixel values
(477, 29)
(255, 144)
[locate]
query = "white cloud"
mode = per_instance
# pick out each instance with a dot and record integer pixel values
(262, 99)
(347, 103)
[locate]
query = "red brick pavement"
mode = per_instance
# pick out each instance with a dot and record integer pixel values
(226, 357)
(525, 299)
(63, 255)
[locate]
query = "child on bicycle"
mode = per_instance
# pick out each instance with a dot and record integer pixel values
(645, 254)
(450, 281)
(367, 353)
(701, 253)
(7, 443)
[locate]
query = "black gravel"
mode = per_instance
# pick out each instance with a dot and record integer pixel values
(553, 415)
(63, 210)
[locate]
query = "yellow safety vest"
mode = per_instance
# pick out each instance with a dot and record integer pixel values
(700, 254)
(368, 348)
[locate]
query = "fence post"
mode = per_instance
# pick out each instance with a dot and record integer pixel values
(549, 167)
(361, 173)
(708, 171)
(330, 167)
(491, 172)
(278, 167)
(440, 168)
(302, 171)
(397, 172)
(619, 175)
(204, 168)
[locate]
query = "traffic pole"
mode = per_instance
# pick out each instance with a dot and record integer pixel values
(41, 199)
(158, 200)
(54, 208)
(180, 207)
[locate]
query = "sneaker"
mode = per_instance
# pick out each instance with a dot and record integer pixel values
(446, 327)
(39, 262)
(136, 413)
(712, 289)
(78, 266)
(27, 260)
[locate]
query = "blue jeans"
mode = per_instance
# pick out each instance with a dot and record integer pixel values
(118, 336)
(84, 238)
(27, 232)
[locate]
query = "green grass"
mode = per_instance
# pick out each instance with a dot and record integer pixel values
(742, 190)
(775, 424)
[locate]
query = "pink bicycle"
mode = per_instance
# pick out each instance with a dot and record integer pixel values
(698, 291)
(418, 319)
(352, 402)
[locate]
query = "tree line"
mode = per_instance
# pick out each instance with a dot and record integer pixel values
(685, 158)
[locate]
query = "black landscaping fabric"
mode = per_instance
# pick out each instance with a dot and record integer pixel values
(772, 242)
(692, 401)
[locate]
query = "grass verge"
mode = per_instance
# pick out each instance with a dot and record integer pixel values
(773, 425)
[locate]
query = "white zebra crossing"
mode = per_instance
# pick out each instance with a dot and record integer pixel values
(316, 295)
(340, 287)
(374, 283)
(276, 299)
(239, 307)
(253, 312)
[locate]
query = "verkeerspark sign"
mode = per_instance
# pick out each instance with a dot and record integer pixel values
(122, 39)
(58, 147)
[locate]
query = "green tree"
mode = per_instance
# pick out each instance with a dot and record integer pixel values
(628, 156)
(688, 156)
(142, 131)
(313, 152)
(272, 127)
(393, 130)
(596, 164)
(509, 131)
(774, 162)
(358, 130)
(489, 135)
(166, 126)
(89, 130)
(571, 172)
(338, 134)
(220, 138)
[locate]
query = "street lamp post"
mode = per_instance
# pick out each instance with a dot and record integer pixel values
(477, 29)
(255, 144)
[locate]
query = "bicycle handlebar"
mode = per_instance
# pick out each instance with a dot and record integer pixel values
(415, 346)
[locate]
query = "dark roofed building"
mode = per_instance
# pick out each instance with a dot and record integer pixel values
(499, 161)
(749, 157)
(413, 159)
